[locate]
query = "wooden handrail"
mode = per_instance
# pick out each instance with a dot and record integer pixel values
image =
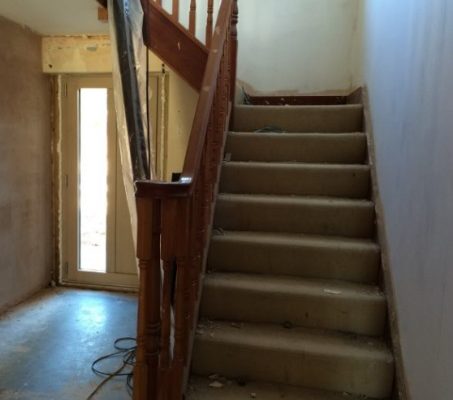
(174, 227)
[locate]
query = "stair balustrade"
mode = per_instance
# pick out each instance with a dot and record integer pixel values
(175, 219)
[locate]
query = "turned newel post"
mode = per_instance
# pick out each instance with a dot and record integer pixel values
(209, 23)
(193, 16)
(148, 325)
(234, 51)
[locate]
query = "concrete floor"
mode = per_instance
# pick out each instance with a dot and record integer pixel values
(48, 343)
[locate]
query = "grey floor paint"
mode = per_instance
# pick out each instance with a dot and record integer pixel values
(48, 343)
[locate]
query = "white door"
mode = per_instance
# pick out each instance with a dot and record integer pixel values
(98, 248)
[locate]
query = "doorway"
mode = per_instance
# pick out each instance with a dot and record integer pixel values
(97, 242)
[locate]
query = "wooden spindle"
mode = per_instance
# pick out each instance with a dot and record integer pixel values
(175, 10)
(193, 16)
(209, 23)
(168, 245)
(182, 296)
(148, 329)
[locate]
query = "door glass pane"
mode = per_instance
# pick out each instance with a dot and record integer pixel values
(93, 151)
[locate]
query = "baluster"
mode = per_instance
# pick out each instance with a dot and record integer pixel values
(148, 329)
(169, 222)
(209, 23)
(175, 10)
(182, 297)
(193, 16)
(234, 51)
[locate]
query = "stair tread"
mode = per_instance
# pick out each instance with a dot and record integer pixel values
(296, 238)
(327, 118)
(199, 389)
(295, 285)
(268, 337)
(291, 135)
(295, 199)
(303, 107)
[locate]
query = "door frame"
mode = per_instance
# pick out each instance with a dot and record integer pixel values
(69, 273)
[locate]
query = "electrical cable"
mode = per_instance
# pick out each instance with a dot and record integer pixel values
(127, 353)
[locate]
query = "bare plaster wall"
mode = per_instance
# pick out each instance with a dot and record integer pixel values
(302, 46)
(25, 166)
(409, 74)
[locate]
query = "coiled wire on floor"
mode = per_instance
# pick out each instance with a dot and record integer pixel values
(124, 352)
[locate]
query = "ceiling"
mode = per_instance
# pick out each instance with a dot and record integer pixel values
(55, 17)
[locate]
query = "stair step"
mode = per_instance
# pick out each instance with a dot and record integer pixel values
(351, 181)
(291, 214)
(200, 389)
(342, 306)
(347, 148)
(297, 255)
(299, 356)
(331, 119)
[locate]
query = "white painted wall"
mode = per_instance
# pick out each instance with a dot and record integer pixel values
(297, 46)
(306, 46)
(409, 72)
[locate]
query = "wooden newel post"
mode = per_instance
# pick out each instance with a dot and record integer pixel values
(234, 53)
(148, 326)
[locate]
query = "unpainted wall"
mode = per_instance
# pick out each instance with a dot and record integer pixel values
(300, 46)
(25, 166)
(409, 73)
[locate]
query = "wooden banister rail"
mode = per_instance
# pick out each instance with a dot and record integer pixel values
(175, 222)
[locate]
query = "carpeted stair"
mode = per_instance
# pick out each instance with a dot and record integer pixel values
(292, 306)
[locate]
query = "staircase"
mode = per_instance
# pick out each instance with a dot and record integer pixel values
(291, 306)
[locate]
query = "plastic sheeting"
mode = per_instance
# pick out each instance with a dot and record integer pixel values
(129, 76)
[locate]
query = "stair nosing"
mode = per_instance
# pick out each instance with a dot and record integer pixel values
(296, 199)
(302, 107)
(295, 285)
(295, 340)
(297, 164)
(299, 237)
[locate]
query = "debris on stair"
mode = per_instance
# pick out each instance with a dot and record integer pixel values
(216, 385)
(270, 129)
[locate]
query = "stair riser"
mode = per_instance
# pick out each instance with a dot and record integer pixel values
(325, 148)
(299, 119)
(315, 310)
(353, 374)
(352, 182)
(354, 265)
(323, 219)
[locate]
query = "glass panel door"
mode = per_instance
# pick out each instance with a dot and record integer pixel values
(95, 224)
